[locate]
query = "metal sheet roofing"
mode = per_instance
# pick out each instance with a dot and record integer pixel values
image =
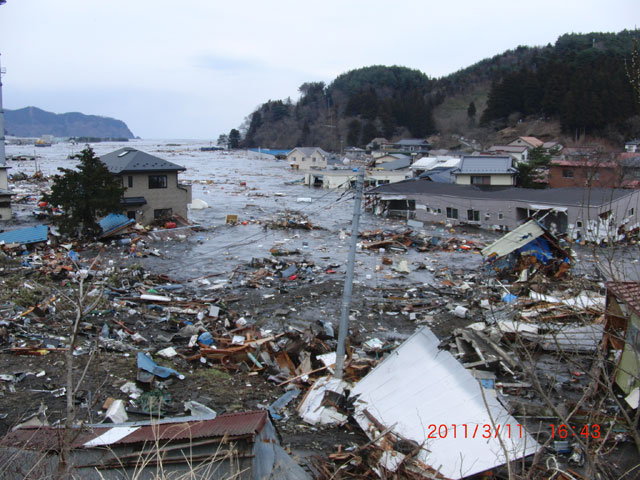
(114, 222)
(418, 385)
(131, 160)
(627, 292)
(26, 236)
(514, 240)
(232, 424)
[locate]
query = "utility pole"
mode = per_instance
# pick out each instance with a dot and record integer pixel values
(348, 281)
(3, 157)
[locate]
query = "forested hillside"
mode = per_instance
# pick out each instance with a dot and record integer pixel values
(579, 82)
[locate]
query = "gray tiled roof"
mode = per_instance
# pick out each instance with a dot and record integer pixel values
(398, 164)
(412, 142)
(308, 151)
(131, 160)
(486, 165)
(554, 196)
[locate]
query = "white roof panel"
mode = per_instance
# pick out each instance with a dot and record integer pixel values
(418, 387)
(513, 240)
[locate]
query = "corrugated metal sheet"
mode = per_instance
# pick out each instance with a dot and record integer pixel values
(26, 236)
(232, 424)
(514, 240)
(418, 386)
(627, 292)
(114, 222)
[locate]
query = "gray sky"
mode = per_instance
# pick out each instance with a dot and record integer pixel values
(196, 68)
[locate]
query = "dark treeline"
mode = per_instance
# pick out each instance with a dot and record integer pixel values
(581, 81)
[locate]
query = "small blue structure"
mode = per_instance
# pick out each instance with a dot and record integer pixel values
(271, 151)
(114, 223)
(26, 236)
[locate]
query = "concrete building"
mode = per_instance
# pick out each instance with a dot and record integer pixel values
(153, 193)
(593, 214)
(308, 158)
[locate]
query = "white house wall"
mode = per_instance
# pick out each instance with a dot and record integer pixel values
(500, 180)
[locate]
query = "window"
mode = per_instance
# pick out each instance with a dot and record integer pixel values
(130, 181)
(631, 211)
(131, 214)
(500, 216)
(162, 213)
(157, 181)
(452, 212)
(473, 215)
(439, 210)
(579, 224)
(480, 180)
(567, 172)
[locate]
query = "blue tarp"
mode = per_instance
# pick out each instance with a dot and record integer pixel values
(26, 236)
(270, 151)
(113, 223)
(539, 248)
(148, 365)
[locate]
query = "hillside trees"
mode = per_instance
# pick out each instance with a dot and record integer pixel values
(581, 82)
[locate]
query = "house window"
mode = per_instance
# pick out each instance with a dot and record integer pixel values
(439, 210)
(480, 180)
(473, 215)
(500, 216)
(162, 213)
(579, 224)
(452, 212)
(130, 181)
(567, 172)
(157, 181)
(131, 214)
(631, 211)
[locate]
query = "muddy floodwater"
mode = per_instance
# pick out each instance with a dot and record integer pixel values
(256, 188)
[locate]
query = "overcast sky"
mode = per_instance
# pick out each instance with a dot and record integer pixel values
(195, 68)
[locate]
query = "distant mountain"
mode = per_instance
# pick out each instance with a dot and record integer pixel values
(34, 122)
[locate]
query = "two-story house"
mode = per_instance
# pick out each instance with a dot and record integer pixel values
(153, 192)
(307, 158)
(486, 170)
(410, 146)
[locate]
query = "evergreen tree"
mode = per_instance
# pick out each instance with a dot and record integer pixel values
(353, 132)
(84, 195)
(234, 138)
(471, 110)
(530, 172)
